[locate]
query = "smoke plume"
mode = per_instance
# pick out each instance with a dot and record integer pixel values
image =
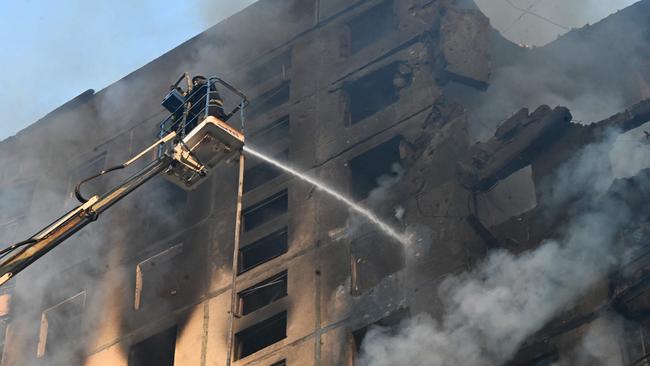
(490, 311)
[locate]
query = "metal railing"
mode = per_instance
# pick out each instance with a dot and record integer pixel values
(197, 107)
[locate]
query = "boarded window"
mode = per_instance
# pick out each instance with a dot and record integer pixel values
(261, 335)
(269, 100)
(367, 168)
(61, 329)
(265, 211)
(156, 278)
(371, 26)
(263, 250)
(263, 293)
(376, 91)
(157, 350)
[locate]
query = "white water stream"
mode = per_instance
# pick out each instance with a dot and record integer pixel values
(371, 217)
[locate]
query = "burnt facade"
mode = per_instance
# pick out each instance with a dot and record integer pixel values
(376, 98)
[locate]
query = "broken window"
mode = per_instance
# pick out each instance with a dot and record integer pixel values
(263, 293)
(60, 329)
(263, 250)
(389, 323)
(369, 266)
(277, 65)
(269, 100)
(371, 26)
(157, 350)
(263, 172)
(261, 335)
(366, 168)
(266, 210)
(376, 91)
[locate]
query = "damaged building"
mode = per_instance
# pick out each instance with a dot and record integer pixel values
(477, 148)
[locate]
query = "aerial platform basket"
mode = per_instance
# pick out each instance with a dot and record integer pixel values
(198, 150)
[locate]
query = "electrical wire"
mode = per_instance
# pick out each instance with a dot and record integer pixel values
(77, 188)
(536, 15)
(15, 246)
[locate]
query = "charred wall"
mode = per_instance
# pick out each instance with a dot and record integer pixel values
(385, 115)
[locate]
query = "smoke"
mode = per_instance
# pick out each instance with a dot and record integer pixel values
(377, 197)
(490, 311)
(600, 346)
(596, 71)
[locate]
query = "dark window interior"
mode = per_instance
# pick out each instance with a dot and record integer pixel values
(280, 363)
(373, 92)
(269, 100)
(276, 131)
(263, 172)
(261, 335)
(371, 26)
(278, 65)
(263, 293)
(263, 250)
(391, 322)
(368, 167)
(157, 350)
(268, 209)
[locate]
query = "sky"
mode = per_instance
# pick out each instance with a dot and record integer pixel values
(53, 51)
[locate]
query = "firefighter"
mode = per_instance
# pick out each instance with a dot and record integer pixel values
(196, 102)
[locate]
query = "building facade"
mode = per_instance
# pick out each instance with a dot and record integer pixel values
(377, 98)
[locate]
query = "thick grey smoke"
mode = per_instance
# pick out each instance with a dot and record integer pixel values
(600, 346)
(490, 311)
(595, 71)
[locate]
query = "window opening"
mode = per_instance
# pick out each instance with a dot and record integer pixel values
(269, 100)
(263, 293)
(261, 335)
(263, 250)
(367, 168)
(371, 26)
(376, 91)
(157, 350)
(266, 210)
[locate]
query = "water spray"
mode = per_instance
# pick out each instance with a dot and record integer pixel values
(371, 217)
